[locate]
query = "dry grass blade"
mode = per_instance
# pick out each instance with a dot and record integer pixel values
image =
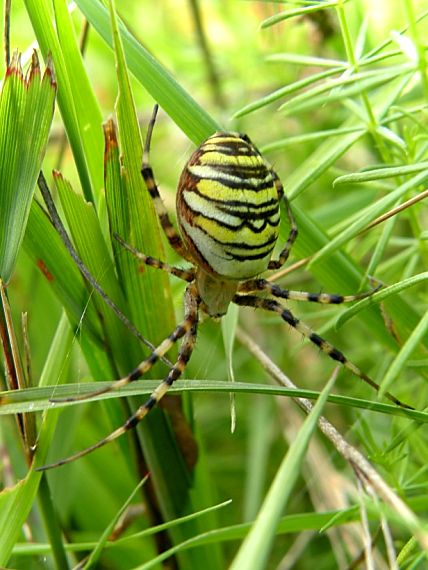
(364, 470)
(396, 210)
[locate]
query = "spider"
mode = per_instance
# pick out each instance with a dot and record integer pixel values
(228, 211)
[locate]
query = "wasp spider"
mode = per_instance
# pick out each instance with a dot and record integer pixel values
(228, 211)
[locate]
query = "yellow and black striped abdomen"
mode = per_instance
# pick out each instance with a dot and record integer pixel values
(228, 207)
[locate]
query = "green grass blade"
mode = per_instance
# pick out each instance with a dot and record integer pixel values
(255, 549)
(180, 106)
(325, 155)
(96, 553)
(49, 254)
(16, 502)
(380, 173)
(287, 90)
(149, 296)
(337, 273)
(289, 524)
(88, 113)
(342, 88)
(228, 326)
(89, 241)
(79, 109)
(304, 10)
(328, 152)
(38, 399)
(26, 111)
(137, 212)
(368, 215)
(313, 136)
(380, 296)
(409, 347)
(308, 60)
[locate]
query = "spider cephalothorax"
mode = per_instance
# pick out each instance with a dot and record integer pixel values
(228, 211)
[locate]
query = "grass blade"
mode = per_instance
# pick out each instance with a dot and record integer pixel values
(82, 120)
(96, 553)
(406, 351)
(16, 502)
(368, 215)
(26, 111)
(180, 106)
(256, 546)
(317, 7)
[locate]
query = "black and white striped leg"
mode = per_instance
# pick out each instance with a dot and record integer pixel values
(185, 274)
(191, 302)
(283, 256)
(335, 354)
(325, 298)
(147, 172)
(187, 329)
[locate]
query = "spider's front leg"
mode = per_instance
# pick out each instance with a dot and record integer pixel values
(185, 274)
(186, 330)
(324, 298)
(335, 354)
(171, 233)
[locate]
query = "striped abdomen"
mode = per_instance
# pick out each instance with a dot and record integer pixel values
(228, 207)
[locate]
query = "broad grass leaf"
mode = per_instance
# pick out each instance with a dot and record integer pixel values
(26, 111)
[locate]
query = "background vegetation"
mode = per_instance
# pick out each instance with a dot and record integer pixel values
(335, 93)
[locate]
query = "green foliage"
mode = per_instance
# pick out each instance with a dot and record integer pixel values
(337, 99)
(26, 110)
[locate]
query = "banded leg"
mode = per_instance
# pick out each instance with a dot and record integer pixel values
(191, 300)
(185, 274)
(283, 256)
(307, 332)
(146, 170)
(324, 298)
(187, 329)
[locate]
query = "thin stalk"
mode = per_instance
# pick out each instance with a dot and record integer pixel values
(51, 523)
(362, 467)
(420, 49)
(202, 39)
(6, 31)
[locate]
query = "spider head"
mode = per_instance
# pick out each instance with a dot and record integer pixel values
(216, 293)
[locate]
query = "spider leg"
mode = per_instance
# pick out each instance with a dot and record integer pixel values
(185, 274)
(188, 329)
(307, 332)
(171, 233)
(191, 297)
(283, 256)
(324, 298)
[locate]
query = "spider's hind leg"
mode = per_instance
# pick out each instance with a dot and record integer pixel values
(191, 300)
(186, 330)
(335, 354)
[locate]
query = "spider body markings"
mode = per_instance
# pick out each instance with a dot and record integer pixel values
(228, 202)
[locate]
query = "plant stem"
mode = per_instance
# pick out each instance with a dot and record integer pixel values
(50, 520)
